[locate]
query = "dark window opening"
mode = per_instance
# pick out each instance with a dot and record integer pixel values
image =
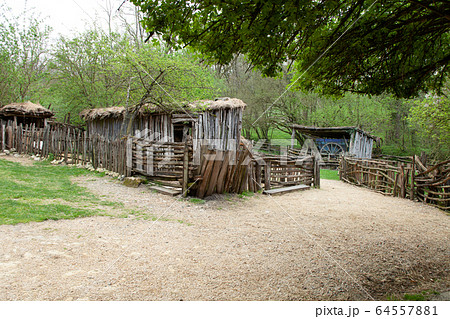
(181, 129)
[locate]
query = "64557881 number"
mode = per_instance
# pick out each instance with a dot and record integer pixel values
(406, 310)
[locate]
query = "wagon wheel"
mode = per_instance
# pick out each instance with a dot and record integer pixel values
(331, 150)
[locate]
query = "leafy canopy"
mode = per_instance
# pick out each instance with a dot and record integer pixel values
(396, 46)
(95, 69)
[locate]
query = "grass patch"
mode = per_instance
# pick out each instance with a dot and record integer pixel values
(422, 296)
(329, 174)
(246, 194)
(43, 191)
(197, 201)
(414, 297)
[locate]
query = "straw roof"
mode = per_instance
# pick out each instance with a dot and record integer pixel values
(196, 106)
(25, 109)
(103, 113)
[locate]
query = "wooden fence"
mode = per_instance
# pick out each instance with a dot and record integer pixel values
(170, 163)
(400, 178)
(64, 142)
(281, 171)
(432, 185)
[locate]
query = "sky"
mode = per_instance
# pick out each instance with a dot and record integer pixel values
(67, 17)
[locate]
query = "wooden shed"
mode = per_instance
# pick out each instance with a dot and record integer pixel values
(215, 122)
(26, 113)
(331, 142)
(181, 143)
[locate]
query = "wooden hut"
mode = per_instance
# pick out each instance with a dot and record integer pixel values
(167, 143)
(215, 122)
(26, 113)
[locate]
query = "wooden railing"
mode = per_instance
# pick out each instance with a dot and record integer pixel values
(159, 159)
(281, 171)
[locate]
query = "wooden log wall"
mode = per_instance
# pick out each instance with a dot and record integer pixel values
(220, 128)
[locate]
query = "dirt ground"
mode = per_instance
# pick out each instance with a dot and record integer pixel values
(339, 242)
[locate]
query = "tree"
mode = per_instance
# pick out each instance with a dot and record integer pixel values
(95, 69)
(431, 117)
(397, 46)
(23, 57)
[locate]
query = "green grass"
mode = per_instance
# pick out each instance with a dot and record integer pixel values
(245, 194)
(422, 296)
(197, 201)
(329, 174)
(41, 192)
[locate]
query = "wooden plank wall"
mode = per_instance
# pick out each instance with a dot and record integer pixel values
(223, 171)
(361, 145)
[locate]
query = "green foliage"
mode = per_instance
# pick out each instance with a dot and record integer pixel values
(42, 192)
(23, 57)
(95, 69)
(414, 297)
(431, 117)
(372, 47)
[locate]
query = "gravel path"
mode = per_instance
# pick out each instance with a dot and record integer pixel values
(337, 243)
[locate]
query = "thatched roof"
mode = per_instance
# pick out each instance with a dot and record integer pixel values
(194, 107)
(103, 113)
(27, 109)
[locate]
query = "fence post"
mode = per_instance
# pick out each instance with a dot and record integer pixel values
(129, 155)
(267, 176)
(185, 169)
(66, 145)
(316, 173)
(413, 172)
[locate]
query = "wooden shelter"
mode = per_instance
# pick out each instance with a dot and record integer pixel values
(331, 142)
(26, 113)
(215, 122)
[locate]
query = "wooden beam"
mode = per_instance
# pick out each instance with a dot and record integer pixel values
(283, 190)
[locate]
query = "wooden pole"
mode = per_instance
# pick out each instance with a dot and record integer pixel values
(316, 174)
(413, 172)
(293, 138)
(267, 176)
(129, 155)
(185, 169)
